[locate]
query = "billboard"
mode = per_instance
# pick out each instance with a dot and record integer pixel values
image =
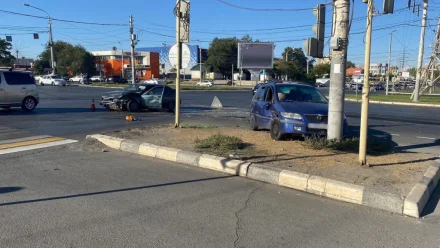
(255, 55)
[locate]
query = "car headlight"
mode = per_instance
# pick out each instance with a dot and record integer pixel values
(292, 116)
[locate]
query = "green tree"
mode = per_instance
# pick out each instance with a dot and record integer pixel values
(6, 57)
(70, 59)
(320, 70)
(222, 54)
(350, 64)
(412, 72)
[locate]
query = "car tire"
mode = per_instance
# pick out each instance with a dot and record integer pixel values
(133, 106)
(29, 104)
(253, 123)
(53, 84)
(171, 107)
(275, 132)
(41, 83)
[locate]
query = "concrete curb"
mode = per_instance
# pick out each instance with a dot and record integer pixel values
(398, 103)
(418, 197)
(411, 206)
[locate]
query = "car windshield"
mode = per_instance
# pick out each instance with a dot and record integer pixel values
(299, 93)
(56, 77)
(132, 87)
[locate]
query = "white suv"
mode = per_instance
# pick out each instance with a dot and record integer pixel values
(18, 89)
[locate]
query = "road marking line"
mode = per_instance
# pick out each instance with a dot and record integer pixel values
(24, 139)
(426, 138)
(30, 142)
(37, 146)
(395, 134)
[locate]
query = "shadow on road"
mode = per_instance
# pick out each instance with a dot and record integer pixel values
(112, 191)
(432, 203)
(409, 147)
(5, 190)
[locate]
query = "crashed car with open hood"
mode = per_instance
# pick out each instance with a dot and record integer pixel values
(140, 96)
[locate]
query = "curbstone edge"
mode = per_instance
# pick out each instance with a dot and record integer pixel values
(147, 149)
(130, 146)
(316, 185)
(264, 173)
(294, 180)
(166, 153)
(344, 191)
(230, 166)
(189, 158)
(109, 141)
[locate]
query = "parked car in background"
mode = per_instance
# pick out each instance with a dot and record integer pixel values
(18, 89)
(324, 81)
(140, 96)
(379, 86)
(96, 79)
(117, 80)
(75, 79)
(289, 109)
(37, 78)
(53, 80)
(152, 81)
(205, 83)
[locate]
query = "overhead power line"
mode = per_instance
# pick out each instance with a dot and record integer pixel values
(262, 10)
(62, 20)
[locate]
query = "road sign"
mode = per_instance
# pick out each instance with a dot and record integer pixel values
(357, 71)
(395, 72)
(186, 56)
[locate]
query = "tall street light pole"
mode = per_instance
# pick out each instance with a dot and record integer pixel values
(52, 56)
(421, 50)
(389, 63)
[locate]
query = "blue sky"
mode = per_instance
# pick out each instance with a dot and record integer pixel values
(154, 22)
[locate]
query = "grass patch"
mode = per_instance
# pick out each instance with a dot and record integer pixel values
(224, 145)
(375, 146)
(198, 126)
(396, 98)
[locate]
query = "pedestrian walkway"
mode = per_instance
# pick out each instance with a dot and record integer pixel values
(15, 140)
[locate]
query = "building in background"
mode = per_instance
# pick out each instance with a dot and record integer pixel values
(380, 69)
(163, 52)
(147, 64)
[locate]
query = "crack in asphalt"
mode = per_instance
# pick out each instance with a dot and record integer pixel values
(237, 225)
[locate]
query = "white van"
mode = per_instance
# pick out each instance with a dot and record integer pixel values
(18, 89)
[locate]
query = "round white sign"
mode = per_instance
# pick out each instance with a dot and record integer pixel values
(186, 56)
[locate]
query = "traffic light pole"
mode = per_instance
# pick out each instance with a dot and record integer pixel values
(366, 88)
(337, 78)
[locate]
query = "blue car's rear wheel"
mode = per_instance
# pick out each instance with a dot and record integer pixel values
(133, 106)
(275, 131)
(253, 123)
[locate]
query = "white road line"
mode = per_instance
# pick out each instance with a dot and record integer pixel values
(38, 146)
(426, 138)
(24, 139)
(395, 134)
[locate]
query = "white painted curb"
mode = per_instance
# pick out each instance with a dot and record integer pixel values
(411, 206)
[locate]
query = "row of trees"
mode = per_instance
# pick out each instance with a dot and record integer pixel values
(222, 54)
(70, 60)
(6, 58)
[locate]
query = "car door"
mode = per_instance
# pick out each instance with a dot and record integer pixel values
(256, 103)
(152, 99)
(16, 86)
(2, 90)
(266, 108)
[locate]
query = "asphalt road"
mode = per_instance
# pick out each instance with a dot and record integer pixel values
(67, 197)
(65, 111)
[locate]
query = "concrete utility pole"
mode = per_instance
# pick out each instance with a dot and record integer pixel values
(52, 56)
(421, 49)
(133, 45)
(337, 78)
(366, 88)
(389, 64)
(179, 63)
(232, 77)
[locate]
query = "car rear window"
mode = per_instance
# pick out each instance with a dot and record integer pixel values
(18, 78)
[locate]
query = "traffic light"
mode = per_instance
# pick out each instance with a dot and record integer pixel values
(388, 6)
(314, 47)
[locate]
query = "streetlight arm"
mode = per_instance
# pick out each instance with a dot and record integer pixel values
(28, 5)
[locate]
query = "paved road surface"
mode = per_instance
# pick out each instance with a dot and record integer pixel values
(65, 112)
(60, 198)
